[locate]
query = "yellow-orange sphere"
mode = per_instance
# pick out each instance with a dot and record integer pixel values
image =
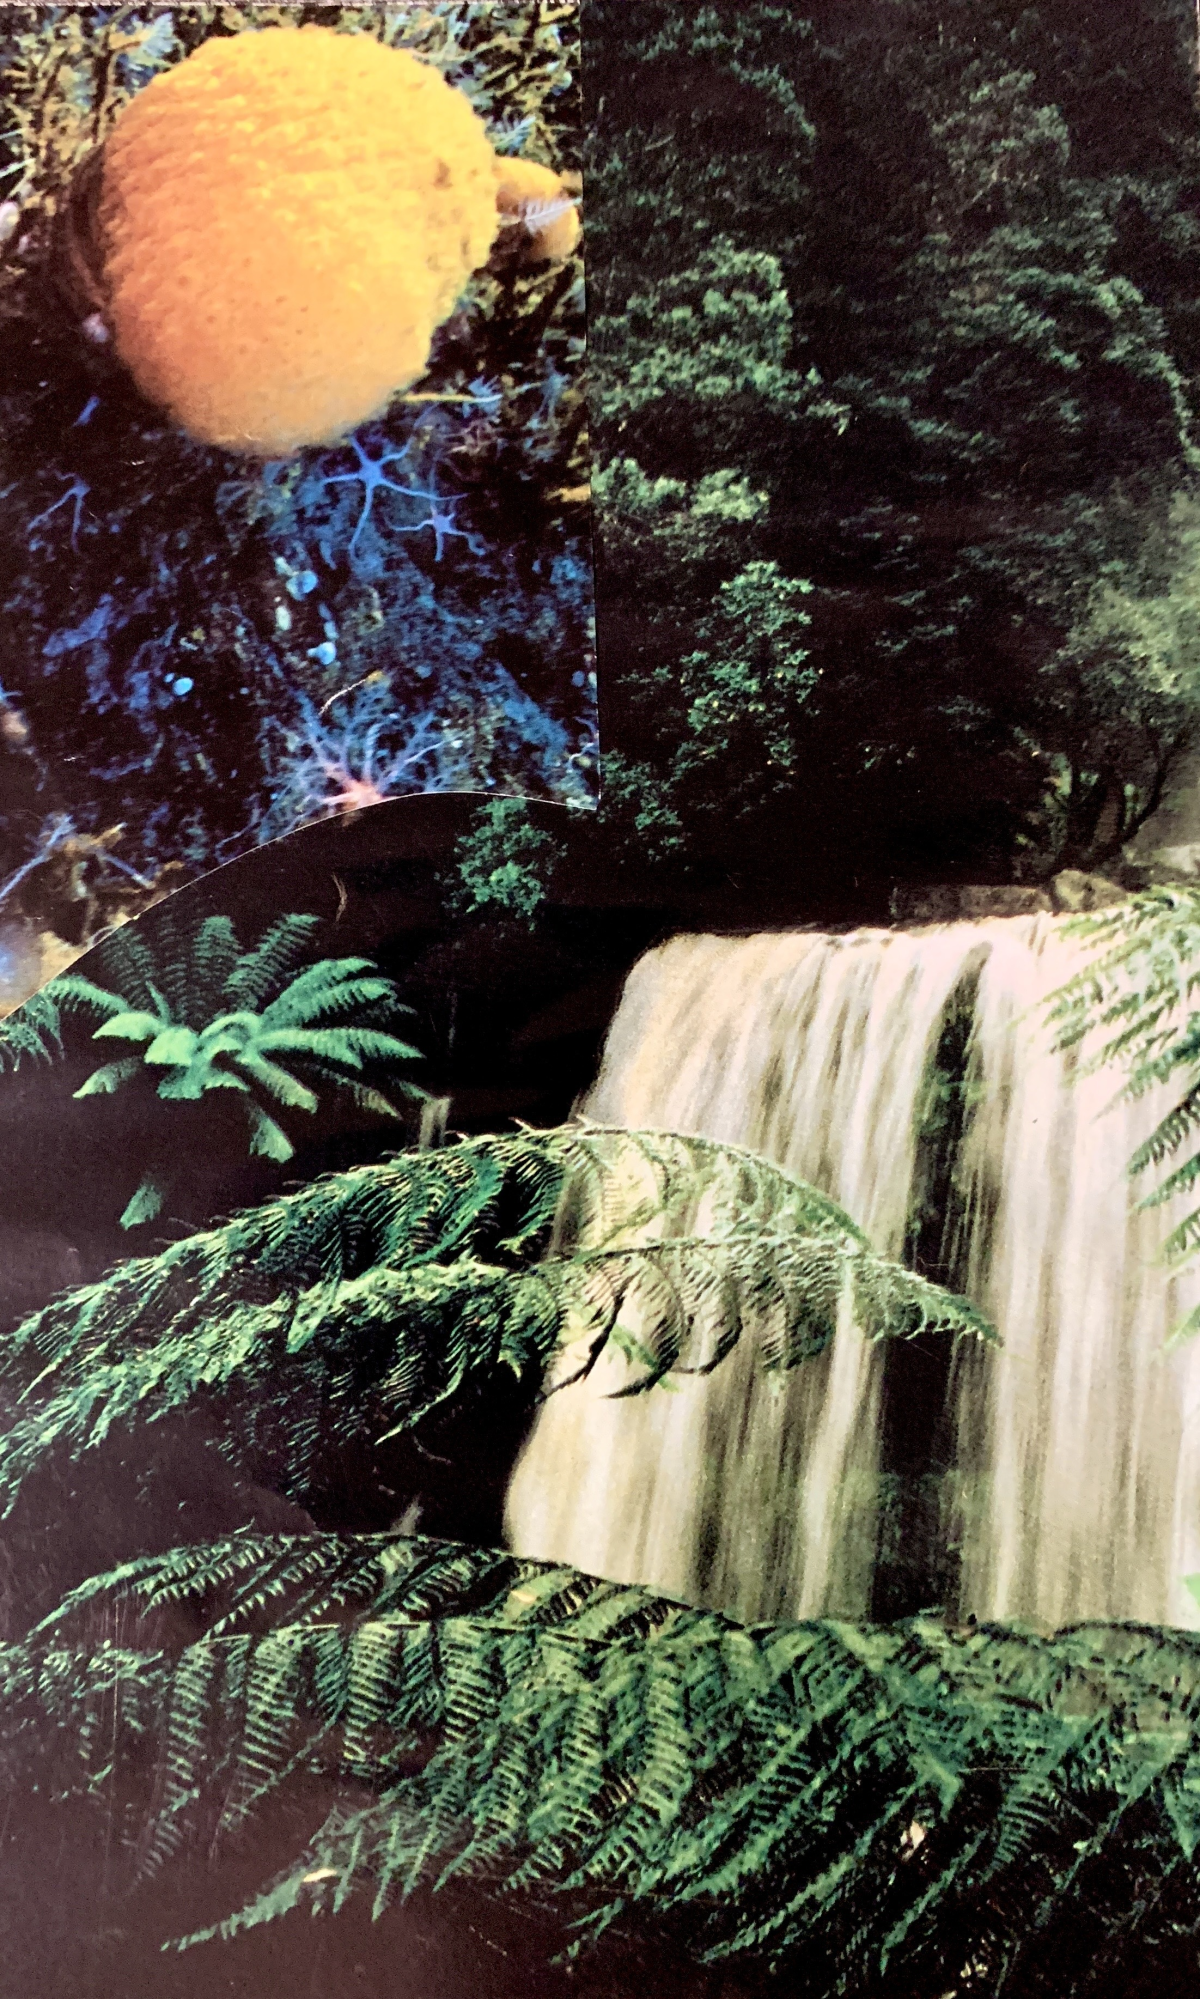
(284, 219)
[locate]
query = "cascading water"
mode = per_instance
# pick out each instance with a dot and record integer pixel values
(1082, 1439)
(750, 1490)
(1077, 1481)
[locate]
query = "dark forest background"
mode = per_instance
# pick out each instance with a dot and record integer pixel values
(894, 343)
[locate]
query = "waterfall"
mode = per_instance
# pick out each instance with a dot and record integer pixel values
(1080, 1443)
(1076, 1486)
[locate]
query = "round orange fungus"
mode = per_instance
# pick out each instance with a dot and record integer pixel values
(284, 218)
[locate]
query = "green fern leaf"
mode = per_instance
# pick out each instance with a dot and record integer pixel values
(34, 1029)
(355, 1307)
(332, 986)
(268, 1140)
(260, 973)
(126, 1026)
(172, 1047)
(839, 1800)
(104, 1081)
(210, 1016)
(145, 1203)
(1143, 974)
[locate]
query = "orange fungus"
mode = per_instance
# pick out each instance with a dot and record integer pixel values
(284, 219)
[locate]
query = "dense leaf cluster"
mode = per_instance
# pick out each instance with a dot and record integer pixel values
(201, 1016)
(867, 1809)
(891, 1809)
(895, 346)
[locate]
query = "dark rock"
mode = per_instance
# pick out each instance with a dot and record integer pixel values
(1073, 891)
(964, 902)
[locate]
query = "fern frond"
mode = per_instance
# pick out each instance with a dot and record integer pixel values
(173, 1047)
(328, 988)
(374, 1101)
(268, 1139)
(1133, 1002)
(72, 993)
(260, 972)
(145, 1202)
(215, 953)
(129, 967)
(355, 1307)
(109, 1077)
(1172, 1132)
(337, 1047)
(1183, 1240)
(277, 1082)
(311, 1579)
(34, 1029)
(843, 1798)
(124, 1024)
(1144, 967)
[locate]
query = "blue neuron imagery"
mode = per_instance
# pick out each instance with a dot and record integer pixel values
(206, 648)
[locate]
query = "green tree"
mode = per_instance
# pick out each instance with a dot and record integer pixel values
(502, 864)
(895, 353)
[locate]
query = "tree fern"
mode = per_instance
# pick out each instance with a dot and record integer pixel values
(1133, 1002)
(206, 1016)
(1144, 968)
(854, 1800)
(355, 1307)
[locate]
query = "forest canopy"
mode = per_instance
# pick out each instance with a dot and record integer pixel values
(894, 339)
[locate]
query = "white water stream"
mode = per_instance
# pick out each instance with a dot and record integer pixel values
(1078, 1444)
